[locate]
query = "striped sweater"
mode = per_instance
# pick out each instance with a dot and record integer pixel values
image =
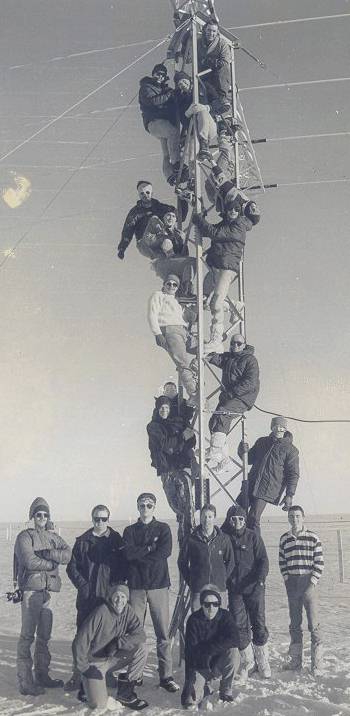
(301, 554)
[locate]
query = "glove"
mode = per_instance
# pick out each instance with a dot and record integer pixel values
(217, 64)
(160, 340)
(93, 673)
(243, 447)
(188, 433)
(196, 218)
(287, 502)
(121, 253)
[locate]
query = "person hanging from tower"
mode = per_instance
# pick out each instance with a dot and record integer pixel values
(178, 407)
(171, 440)
(240, 387)
(158, 111)
(168, 322)
(274, 475)
(223, 258)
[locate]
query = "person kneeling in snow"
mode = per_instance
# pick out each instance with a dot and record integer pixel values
(110, 638)
(246, 593)
(209, 649)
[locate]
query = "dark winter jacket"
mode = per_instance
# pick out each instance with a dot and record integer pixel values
(240, 375)
(251, 561)
(138, 218)
(156, 101)
(202, 561)
(178, 409)
(37, 555)
(229, 193)
(207, 639)
(275, 468)
(147, 548)
(96, 563)
(228, 240)
(168, 447)
(104, 633)
(176, 238)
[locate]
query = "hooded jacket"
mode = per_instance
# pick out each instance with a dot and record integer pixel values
(146, 549)
(156, 101)
(207, 639)
(138, 218)
(104, 633)
(37, 554)
(202, 561)
(240, 375)
(228, 241)
(275, 468)
(168, 447)
(96, 563)
(250, 557)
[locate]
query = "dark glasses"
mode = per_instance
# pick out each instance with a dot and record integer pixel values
(148, 505)
(100, 519)
(41, 514)
(237, 343)
(215, 605)
(171, 283)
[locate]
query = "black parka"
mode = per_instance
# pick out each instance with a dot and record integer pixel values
(240, 375)
(146, 549)
(228, 240)
(207, 639)
(156, 101)
(203, 561)
(168, 447)
(138, 218)
(251, 560)
(275, 468)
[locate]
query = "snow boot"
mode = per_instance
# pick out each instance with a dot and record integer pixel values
(127, 696)
(204, 151)
(295, 657)
(216, 453)
(169, 685)
(73, 684)
(247, 664)
(215, 344)
(45, 680)
(261, 654)
(317, 663)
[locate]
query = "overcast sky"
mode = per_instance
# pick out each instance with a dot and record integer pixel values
(79, 364)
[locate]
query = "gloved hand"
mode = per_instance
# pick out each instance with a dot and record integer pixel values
(188, 433)
(243, 448)
(196, 218)
(121, 253)
(160, 340)
(93, 673)
(287, 502)
(217, 64)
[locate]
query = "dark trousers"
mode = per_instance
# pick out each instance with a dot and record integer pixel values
(257, 506)
(225, 412)
(299, 598)
(248, 613)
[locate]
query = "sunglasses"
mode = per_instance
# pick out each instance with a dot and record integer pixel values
(215, 605)
(237, 343)
(41, 515)
(237, 519)
(148, 505)
(100, 519)
(171, 283)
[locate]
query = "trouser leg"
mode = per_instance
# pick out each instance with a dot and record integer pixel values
(255, 606)
(310, 602)
(42, 656)
(225, 412)
(223, 279)
(240, 617)
(138, 601)
(176, 347)
(225, 666)
(158, 600)
(164, 130)
(30, 611)
(197, 681)
(255, 511)
(295, 605)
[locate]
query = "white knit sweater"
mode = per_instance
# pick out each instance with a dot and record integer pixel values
(164, 310)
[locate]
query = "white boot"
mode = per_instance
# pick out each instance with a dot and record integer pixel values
(247, 664)
(215, 344)
(261, 654)
(216, 453)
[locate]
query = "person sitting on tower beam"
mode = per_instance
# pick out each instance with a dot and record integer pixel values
(171, 440)
(214, 53)
(274, 472)
(246, 593)
(223, 258)
(186, 108)
(138, 218)
(167, 321)
(178, 408)
(157, 106)
(209, 650)
(206, 556)
(240, 387)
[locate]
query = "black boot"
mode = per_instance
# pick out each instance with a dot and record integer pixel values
(47, 682)
(204, 151)
(127, 696)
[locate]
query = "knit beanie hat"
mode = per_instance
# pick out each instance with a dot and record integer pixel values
(123, 588)
(279, 420)
(38, 505)
(173, 277)
(160, 68)
(180, 75)
(147, 496)
(209, 589)
(163, 400)
(236, 511)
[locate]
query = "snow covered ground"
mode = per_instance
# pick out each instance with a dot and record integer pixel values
(285, 694)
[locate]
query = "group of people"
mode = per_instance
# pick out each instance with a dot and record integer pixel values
(118, 577)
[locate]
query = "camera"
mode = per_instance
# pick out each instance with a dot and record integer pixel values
(15, 597)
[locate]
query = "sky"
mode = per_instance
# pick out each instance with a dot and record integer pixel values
(79, 367)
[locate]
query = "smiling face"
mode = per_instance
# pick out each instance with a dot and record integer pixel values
(210, 33)
(145, 192)
(296, 520)
(164, 411)
(119, 601)
(184, 85)
(170, 287)
(278, 431)
(40, 519)
(100, 521)
(207, 521)
(169, 220)
(170, 390)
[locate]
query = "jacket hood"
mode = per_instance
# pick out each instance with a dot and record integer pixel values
(149, 81)
(245, 351)
(286, 440)
(38, 504)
